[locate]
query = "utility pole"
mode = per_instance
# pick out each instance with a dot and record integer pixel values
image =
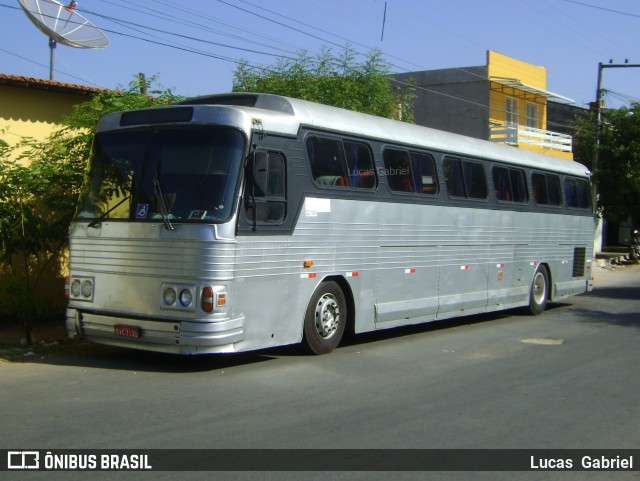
(598, 131)
(142, 84)
(598, 105)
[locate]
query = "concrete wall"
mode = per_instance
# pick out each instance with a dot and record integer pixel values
(455, 99)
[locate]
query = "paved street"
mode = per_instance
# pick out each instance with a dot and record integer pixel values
(566, 379)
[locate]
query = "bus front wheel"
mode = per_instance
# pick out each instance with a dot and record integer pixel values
(325, 319)
(539, 291)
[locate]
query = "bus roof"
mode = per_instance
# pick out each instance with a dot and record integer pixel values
(274, 107)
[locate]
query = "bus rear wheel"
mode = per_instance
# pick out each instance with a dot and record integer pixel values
(539, 291)
(325, 319)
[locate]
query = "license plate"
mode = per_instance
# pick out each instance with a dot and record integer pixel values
(127, 331)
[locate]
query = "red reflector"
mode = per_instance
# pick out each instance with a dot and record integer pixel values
(206, 301)
(67, 286)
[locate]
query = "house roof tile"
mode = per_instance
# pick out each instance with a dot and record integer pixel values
(53, 85)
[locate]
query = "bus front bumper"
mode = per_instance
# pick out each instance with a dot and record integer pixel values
(170, 336)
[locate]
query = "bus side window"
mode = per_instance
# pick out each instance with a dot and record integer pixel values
(425, 178)
(518, 186)
(267, 193)
(453, 177)
(397, 165)
(577, 193)
(327, 161)
(474, 179)
(553, 187)
(546, 189)
(359, 165)
(539, 183)
(570, 192)
(583, 193)
(502, 184)
(510, 185)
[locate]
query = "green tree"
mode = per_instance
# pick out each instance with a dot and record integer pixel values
(40, 182)
(617, 173)
(330, 79)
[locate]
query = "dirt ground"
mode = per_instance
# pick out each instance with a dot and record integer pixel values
(49, 338)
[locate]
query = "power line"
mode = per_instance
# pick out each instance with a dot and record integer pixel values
(134, 26)
(597, 7)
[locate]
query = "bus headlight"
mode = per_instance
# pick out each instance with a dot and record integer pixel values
(81, 288)
(75, 287)
(87, 288)
(177, 296)
(186, 296)
(169, 296)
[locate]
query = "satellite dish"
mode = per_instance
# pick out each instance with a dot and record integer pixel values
(63, 24)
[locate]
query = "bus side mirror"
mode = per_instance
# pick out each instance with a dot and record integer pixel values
(260, 170)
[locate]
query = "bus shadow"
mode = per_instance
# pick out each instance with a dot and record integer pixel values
(88, 355)
(622, 319)
(432, 326)
(74, 353)
(617, 292)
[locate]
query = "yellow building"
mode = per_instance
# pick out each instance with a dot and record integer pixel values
(518, 106)
(505, 101)
(31, 107)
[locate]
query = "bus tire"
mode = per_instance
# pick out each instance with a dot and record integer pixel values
(325, 319)
(539, 291)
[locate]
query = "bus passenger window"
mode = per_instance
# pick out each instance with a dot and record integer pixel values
(397, 165)
(518, 186)
(424, 173)
(540, 189)
(474, 179)
(267, 194)
(546, 189)
(553, 187)
(502, 184)
(465, 178)
(509, 185)
(359, 165)
(577, 193)
(327, 161)
(454, 177)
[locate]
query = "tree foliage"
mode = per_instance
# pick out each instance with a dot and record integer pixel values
(40, 183)
(330, 79)
(617, 173)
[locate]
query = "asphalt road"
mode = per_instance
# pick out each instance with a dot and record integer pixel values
(566, 379)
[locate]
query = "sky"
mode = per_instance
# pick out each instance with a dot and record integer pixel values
(194, 46)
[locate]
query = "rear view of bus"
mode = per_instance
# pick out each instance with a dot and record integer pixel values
(151, 247)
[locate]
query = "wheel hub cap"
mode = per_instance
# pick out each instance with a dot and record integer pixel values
(327, 318)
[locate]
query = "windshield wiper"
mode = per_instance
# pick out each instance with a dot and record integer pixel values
(163, 206)
(95, 222)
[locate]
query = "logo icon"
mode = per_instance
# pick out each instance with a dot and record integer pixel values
(23, 460)
(142, 211)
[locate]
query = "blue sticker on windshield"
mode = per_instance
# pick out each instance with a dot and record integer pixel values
(142, 211)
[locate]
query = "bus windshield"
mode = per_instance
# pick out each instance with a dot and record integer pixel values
(180, 174)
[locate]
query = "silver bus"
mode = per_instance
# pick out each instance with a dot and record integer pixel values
(238, 222)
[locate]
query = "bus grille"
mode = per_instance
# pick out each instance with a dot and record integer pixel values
(579, 257)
